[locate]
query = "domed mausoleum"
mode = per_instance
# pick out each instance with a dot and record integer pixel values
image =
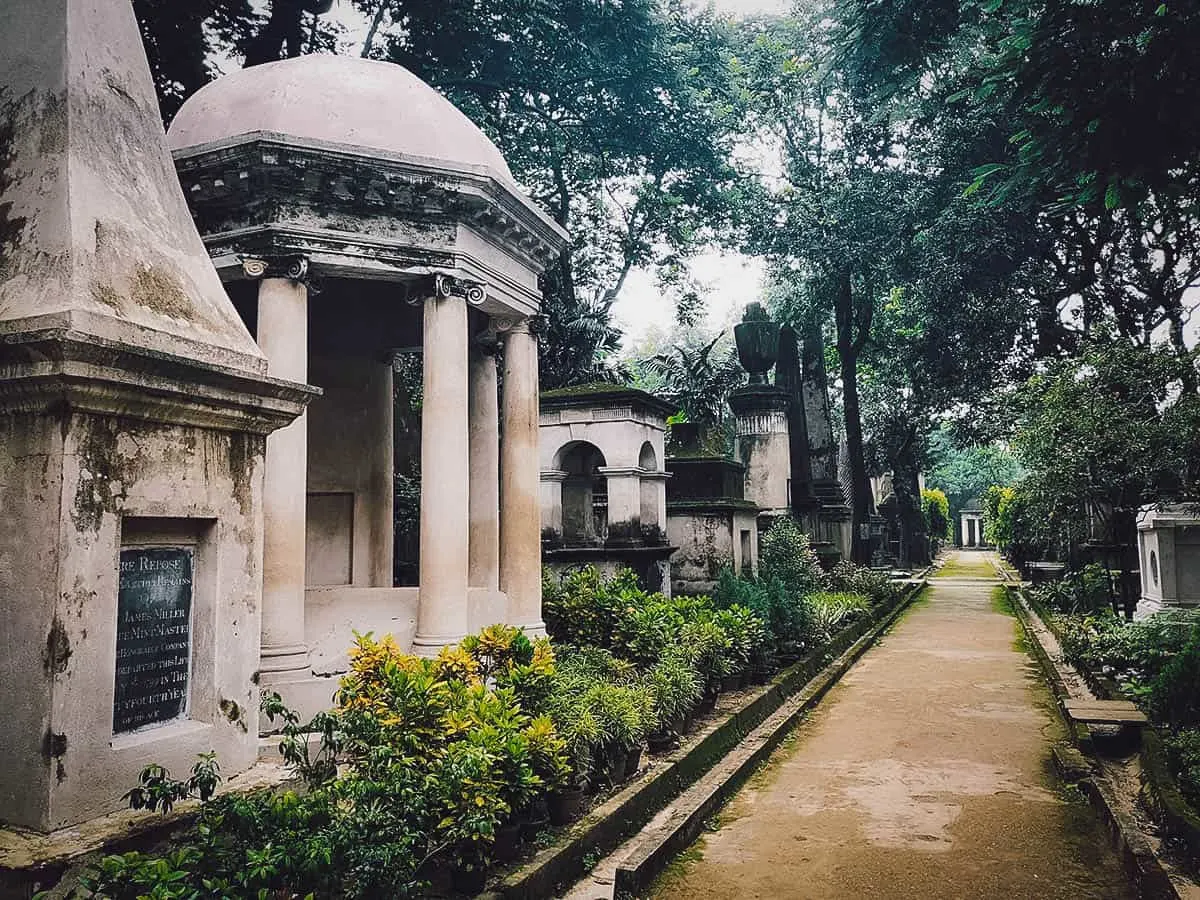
(364, 227)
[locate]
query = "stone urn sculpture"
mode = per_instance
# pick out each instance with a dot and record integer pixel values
(757, 339)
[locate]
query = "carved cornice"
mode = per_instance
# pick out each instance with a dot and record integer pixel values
(57, 371)
(256, 174)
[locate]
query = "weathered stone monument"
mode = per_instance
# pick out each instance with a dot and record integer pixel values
(356, 178)
(971, 525)
(134, 407)
(785, 435)
(708, 516)
(1169, 551)
(604, 499)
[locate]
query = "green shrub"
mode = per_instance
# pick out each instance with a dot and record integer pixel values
(747, 637)
(786, 616)
(422, 760)
(1183, 755)
(1174, 697)
(849, 578)
(834, 611)
(1084, 591)
(786, 554)
(674, 688)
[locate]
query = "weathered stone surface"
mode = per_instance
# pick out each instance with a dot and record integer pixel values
(133, 410)
(338, 100)
(95, 235)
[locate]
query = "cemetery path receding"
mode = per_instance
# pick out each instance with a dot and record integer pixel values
(924, 774)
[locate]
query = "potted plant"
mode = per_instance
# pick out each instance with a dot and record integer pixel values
(675, 688)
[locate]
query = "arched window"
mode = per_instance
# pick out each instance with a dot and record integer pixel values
(650, 489)
(584, 494)
(647, 459)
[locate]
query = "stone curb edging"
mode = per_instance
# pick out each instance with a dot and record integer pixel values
(605, 828)
(1173, 812)
(1141, 864)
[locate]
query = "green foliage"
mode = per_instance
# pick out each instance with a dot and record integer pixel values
(785, 554)
(848, 578)
(422, 760)
(1084, 591)
(675, 689)
(834, 611)
(698, 380)
(1135, 653)
(966, 473)
(1183, 754)
(787, 616)
(1000, 506)
(1101, 435)
(1174, 697)
(935, 507)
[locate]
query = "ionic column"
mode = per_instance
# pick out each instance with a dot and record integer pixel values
(383, 492)
(520, 513)
(484, 414)
(283, 338)
(442, 613)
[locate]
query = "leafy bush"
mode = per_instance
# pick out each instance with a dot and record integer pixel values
(785, 554)
(787, 617)
(1174, 697)
(1183, 755)
(421, 760)
(850, 578)
(1084, 591)
(675, 688)
(935, 508)
(834, 611)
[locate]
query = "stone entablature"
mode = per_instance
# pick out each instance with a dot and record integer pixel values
(359, 213)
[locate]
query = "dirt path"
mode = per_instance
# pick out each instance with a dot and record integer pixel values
(925, 773)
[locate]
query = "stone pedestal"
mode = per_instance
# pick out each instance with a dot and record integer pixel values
(134, 408)
(763, 446)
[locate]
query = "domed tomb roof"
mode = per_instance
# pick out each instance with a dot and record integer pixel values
(359, 103)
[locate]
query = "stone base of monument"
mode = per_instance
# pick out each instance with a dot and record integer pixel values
(31, 862)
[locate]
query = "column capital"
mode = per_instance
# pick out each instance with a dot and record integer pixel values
(293, 267)
(487, 341)
(520, 325)
(440, 286)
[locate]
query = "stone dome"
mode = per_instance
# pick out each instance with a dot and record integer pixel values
(358, 103)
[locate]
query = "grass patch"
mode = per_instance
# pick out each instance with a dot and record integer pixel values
(677, 869)
(962, 566)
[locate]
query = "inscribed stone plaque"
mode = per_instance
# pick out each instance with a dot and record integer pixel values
(154, 610)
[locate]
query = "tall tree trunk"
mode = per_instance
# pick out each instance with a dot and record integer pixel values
(850, 340)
